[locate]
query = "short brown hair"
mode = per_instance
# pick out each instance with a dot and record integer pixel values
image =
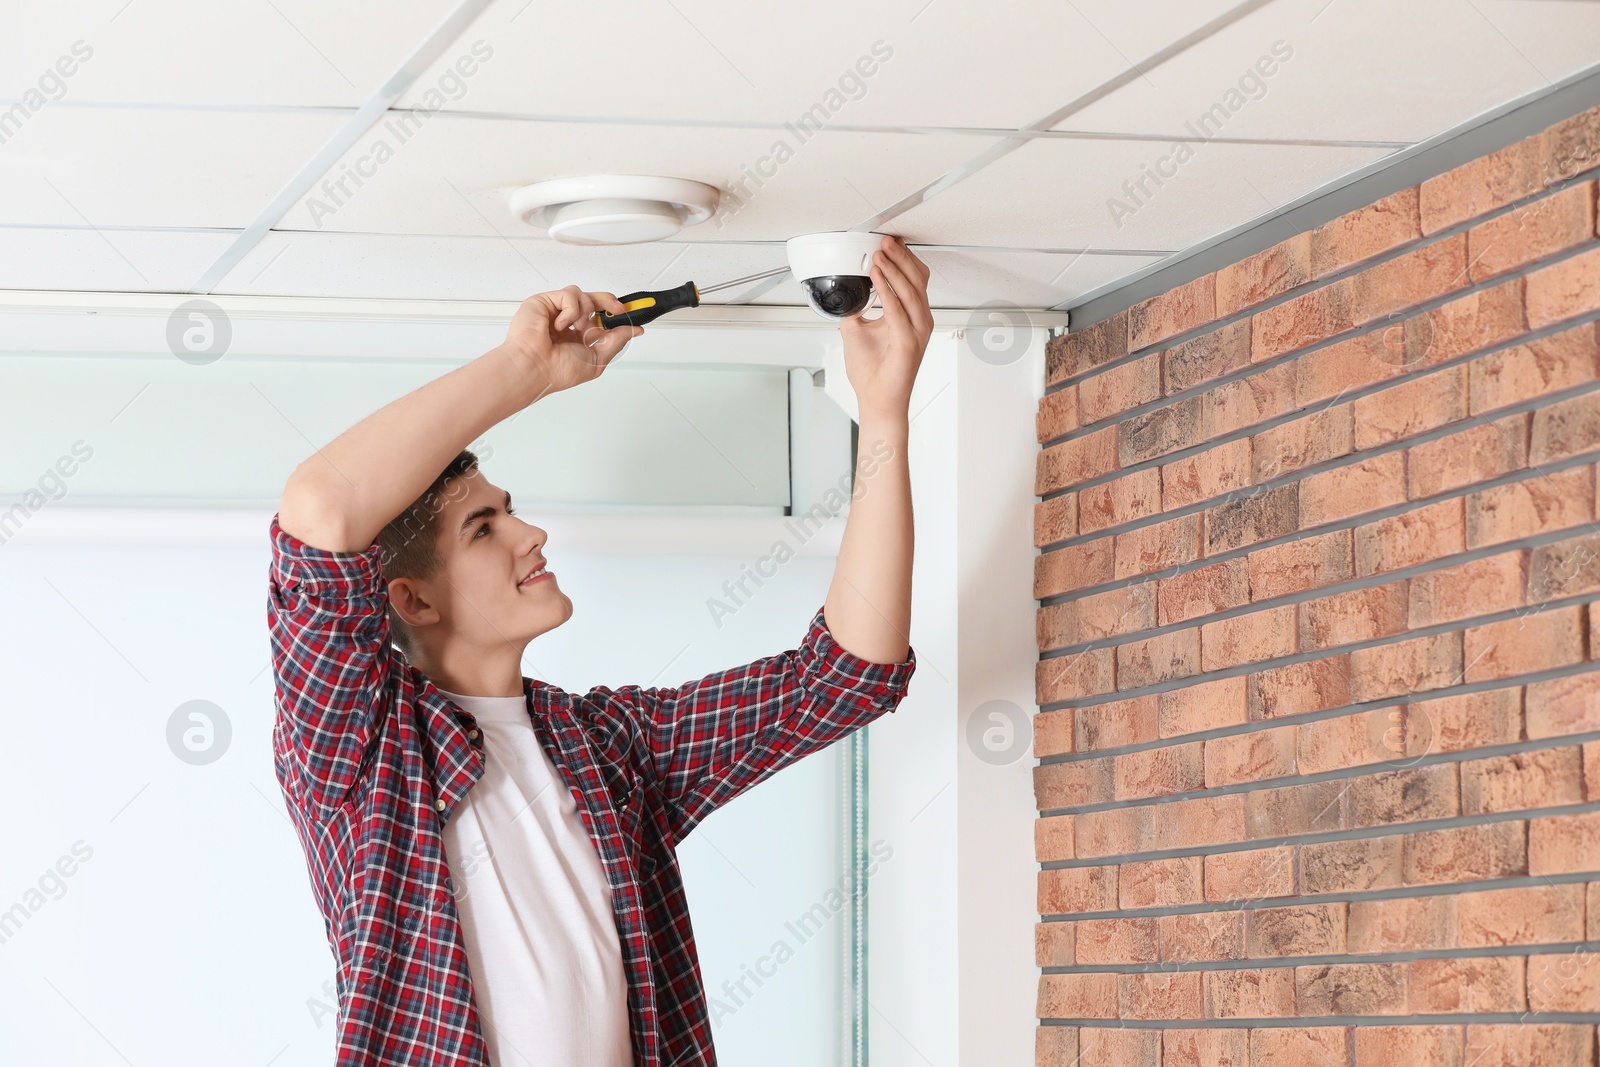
(409, 544)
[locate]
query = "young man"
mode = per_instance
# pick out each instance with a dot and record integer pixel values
(494, 857)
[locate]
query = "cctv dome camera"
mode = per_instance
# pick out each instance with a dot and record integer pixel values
(834, 269)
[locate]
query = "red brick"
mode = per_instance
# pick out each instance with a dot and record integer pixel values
(1260, 635)
(1482, 185)
(1349, 740)
(1249, 994)
(1569, 705)
(1204, 591)
(1564, 568)
(1564, 981)
(1348, 365)
(1513, 375)
(1302, 321)
(1405, 540)
(1082, 674)
(1366, 232)
(1533, 506)
(1316, 438)
(1208, 356)
(1533, 642)
(1251, 757)
(1459, 986)
(1357, 615)
(1073, 889)
(1409, 279)
(1057, 414)
(1205, 1048)
(1157, 771)
(1415, 794)
(1156, 433)
(1572, 146)
(1479, 587)
(1540, 914)
(1403, 924)
(1251, 516)
(1052, 838)
(1564, 290)
(1159, 883)
(1176, 311)
(1406, 666)
(1129, 940)
(1410, 408)
(1066, 785)
(1341, 866)
(1201, 821)
(1053, 732)
(1266, 274)
(1594, 911)
(1099, 615)
(1352, 989)
(1254, 875)
(1304, 1046)
(1536, 779)
(1159, 995)
(1213, 935)
(1055, 520)
(1246, 401)
(1124, 386)
(1465, 854)
(1286, 811)
(1158, 659)
(1119, 1047)
(1085, 347)
(1077, 460)
(1365, 485)
(1529, 1045)
(1564, 844)
(1158, 546)
(1133, 496)
(1214, 472)
(1077, 996)
(1467, 720)
(1407, 1046)
(1053, 945)
(1055, 1046)
(1532, 232)
(1298, 930)
(1474, 455)
(1466, 324)
(1114, 831)
(1314, 685)
(1120, 722)
(1206, 706)
(1295, 566)
(1565, 429)
(1065, 570)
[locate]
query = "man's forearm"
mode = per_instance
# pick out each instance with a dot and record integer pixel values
(341, 496)
(869, 602)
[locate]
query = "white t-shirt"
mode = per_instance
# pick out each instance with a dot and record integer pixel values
(535, 905)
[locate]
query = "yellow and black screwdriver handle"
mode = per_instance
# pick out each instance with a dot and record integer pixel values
(648, 306)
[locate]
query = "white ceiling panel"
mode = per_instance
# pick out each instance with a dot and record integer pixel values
(151, 168)
(1357, 69)
(139, 261)
(999, 64)
(1056, 193)
(283, 53)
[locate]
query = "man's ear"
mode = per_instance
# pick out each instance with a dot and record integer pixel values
(410, 602)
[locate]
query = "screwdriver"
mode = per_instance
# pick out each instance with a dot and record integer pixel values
(648, 305)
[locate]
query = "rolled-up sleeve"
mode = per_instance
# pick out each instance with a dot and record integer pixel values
(328, 619)
(707, 741)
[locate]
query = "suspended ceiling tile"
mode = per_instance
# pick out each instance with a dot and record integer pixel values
(284, 53)
(1057, 193)
(152, 168)
(105, 260)
(718, 60)
(449, 174)
(1355, 70)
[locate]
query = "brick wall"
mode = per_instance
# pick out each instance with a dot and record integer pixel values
(1319, 683)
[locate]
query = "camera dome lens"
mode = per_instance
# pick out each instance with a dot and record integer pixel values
(839, 296)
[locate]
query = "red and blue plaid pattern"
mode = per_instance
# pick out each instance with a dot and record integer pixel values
(372, 759)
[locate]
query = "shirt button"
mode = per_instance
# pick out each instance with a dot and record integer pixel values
(438, 805)
(472, 735)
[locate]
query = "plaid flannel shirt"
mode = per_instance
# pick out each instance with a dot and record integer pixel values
(372, 760)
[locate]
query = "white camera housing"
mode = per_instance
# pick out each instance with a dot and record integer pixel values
(834, 269)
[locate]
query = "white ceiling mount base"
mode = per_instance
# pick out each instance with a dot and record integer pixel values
(614, 209)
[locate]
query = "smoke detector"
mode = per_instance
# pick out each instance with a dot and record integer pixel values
(614, 209)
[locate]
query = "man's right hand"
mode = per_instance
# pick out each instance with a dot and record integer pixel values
(555, 334)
